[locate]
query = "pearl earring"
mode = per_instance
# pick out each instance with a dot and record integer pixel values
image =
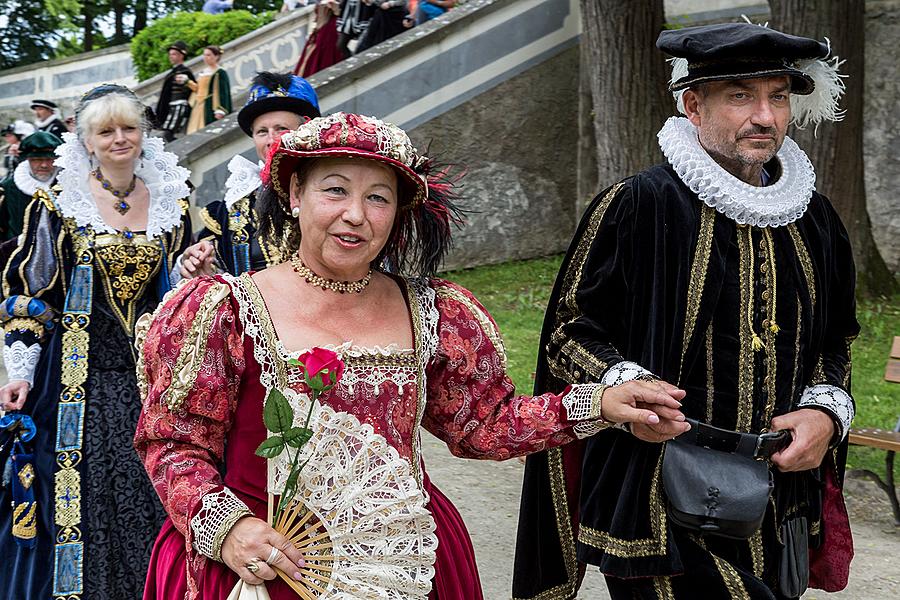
(295, 212)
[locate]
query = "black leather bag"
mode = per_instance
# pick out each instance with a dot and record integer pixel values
(715, 492)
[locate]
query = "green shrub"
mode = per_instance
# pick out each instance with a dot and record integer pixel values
(196, 29)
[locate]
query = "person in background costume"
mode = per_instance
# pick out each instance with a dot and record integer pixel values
(13, 134)
(725, 272)
(172, 109)
(35, 171)
(95, 254)
(352, 192)
(231, 239)
(49, 118)
(211, 97)
(352, 23)
(320, 50)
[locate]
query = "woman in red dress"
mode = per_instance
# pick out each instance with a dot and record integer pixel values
(321, 50)
(351, 194)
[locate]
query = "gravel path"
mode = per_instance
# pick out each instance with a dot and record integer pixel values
(487, 495)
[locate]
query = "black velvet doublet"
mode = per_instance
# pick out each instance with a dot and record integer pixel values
(656, 277)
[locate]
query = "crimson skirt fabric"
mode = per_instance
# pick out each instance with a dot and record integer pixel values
(455, 578)
(320, 51)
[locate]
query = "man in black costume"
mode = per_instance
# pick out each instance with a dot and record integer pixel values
(48, 117)
(724, 272)
(173, 110)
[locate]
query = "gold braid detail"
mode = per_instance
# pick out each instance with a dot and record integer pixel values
(699, 268)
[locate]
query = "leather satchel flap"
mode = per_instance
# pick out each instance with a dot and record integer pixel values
(714, 484)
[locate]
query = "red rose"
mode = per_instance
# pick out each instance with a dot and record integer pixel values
(322, 368)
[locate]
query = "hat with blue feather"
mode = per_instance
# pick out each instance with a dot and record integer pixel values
(278, 91)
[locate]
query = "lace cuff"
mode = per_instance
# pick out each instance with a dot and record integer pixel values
(833, 400)
(21, 361)
(583, 404)
(218, 513)
(624, 371)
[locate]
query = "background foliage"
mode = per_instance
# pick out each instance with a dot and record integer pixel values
(196, 29)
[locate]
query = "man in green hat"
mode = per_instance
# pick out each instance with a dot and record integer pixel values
(35, 171)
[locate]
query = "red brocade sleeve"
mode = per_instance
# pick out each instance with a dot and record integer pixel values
(472, 403)
(189, 371)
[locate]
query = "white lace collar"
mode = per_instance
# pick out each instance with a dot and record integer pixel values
(242, 180)
(27, 183)
(780, 203)
(166, 183)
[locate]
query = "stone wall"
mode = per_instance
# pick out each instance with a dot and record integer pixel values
(881, 137)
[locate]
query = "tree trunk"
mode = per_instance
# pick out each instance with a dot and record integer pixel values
(119, 12)
(140, 16)
(836, 149)
(88, 14)
(628, 79)
(587, 186)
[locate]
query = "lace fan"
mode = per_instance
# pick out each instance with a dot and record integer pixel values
(360, 517)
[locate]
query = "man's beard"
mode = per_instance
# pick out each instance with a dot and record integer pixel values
(48, 177)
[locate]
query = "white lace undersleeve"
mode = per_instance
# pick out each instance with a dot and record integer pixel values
(832, 399)
(624, 371)
(21, 361)
(583, 404)
(218, 513)
(243, 178)
(780, 203)
(166, 183)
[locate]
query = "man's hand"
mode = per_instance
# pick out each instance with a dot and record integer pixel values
(197, 260)
(812, 431)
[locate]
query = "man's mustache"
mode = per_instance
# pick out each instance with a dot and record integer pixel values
(758, 130)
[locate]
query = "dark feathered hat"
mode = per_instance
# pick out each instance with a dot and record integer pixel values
(278, 91)
(40, 144)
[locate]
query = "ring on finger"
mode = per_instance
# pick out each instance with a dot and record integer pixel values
(273, 556)
(252, 567)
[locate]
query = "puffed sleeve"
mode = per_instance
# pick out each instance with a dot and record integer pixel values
(472, 404)
(32, 288)
(189, 369)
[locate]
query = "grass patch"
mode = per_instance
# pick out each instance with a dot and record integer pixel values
(516, 294)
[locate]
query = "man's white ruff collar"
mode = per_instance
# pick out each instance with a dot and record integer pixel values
(774, 205)
(243, 179)
(166, 183)
(27, 183)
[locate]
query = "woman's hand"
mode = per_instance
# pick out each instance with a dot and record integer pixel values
(250, 542)
(651, 404)
(14, 394)
(197, 260)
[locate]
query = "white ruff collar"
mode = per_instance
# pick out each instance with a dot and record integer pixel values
(166, 183)
(243, 179)
(27, 183)
(780, 203)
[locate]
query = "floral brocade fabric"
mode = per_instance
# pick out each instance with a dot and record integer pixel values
(211, 354)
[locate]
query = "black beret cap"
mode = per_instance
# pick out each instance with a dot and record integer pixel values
(180, 47)
(44, 104)
(740, 51)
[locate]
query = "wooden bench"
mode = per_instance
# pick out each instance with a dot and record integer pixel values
(889, 441)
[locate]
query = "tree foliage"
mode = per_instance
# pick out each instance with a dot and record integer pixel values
(43, 29)
(196, 29)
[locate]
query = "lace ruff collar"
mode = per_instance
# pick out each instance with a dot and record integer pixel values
(243, 179)
(780, 203)
(166, 183)
(27, 183)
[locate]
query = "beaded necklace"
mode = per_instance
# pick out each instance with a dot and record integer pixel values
(120, 205)
(340, 287)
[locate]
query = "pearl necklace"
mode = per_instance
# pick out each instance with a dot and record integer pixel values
(340, 287)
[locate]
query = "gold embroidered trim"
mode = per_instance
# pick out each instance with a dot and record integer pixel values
(731, 578)
(25, 324)
(699, 267)
(770, 328)
(24, 523)
(655, 546)
(756, 553)
(805, 262)
(710, 379)
(415, 305)
(127, 269)
(745, 355)
(662, 586)
(209, 222)
(556, 473)
(487, 325)
(187, 365)
(796, 352)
